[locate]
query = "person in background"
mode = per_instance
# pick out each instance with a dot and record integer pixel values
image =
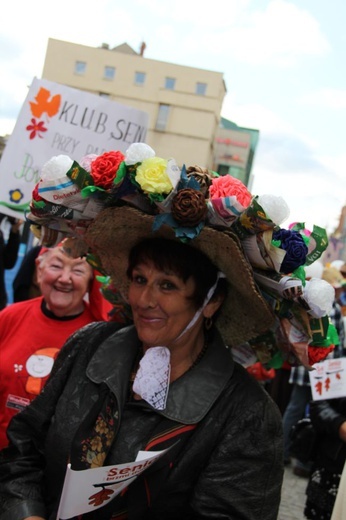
(166, 381)
(8, 252)
(33, 331)
(339, 509)
(298, 406)
(340, 265)
(342, 298)
(329, 420)
(337, 273)
(280, 388)
(296, 409)
(25, 285)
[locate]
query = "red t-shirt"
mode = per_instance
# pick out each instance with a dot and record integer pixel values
(29, 343)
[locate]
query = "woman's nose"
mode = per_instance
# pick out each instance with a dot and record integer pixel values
(65, 275)
(147, 297)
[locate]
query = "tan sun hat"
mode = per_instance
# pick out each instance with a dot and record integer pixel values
(244, 313)
(333, 276)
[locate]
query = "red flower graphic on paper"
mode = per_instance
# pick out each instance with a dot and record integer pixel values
(100, 497)
(36, 127)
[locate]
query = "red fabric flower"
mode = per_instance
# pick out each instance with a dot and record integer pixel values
(104, 168)
(318, 353)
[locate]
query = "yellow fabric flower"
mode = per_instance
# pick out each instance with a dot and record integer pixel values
(152, 177)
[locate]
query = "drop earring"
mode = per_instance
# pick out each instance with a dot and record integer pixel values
(208, 323)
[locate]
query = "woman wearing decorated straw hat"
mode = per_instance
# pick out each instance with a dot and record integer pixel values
(165, 384)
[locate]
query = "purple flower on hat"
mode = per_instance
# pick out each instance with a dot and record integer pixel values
(296, 250)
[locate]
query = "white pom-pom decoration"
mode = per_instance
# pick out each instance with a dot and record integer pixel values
(275, 208)
(56, 167)
(319, 295)
(137, 152)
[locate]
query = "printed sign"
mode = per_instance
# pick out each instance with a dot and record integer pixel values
(90, 489)
(59, 120)
(328, 379)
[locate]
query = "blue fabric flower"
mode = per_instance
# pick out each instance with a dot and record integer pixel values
(296, 250)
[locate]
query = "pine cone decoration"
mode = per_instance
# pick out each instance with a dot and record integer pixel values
(189, 207)
(202, 176)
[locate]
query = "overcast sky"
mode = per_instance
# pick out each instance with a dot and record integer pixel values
(283, 64)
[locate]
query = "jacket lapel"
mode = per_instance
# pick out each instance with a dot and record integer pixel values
(189, 398)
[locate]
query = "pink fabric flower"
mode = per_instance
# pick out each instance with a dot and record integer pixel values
(228, 186)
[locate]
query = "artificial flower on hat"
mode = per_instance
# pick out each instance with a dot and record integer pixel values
(203, 176)
(255, 227)
(104, 169)
(228, 199)
(104, 173)
(296, 250)
(185, 209)
(151, 176)
(57, 187)
(263, 213)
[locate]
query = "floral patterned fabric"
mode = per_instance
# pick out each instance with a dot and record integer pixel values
(96, 433)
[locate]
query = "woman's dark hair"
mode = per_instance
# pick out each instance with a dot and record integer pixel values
(183, 260)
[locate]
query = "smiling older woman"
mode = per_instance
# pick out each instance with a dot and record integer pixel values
(33, 331)
(167, 381)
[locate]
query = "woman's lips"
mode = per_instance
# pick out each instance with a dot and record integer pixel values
(63, 289)
(149, 319)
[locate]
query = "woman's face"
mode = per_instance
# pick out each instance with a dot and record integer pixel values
(63, 282)
(161, 303)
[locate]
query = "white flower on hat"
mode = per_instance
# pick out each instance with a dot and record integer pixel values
(319, 295)
(275, 207)
(137, 152)
(56, 167)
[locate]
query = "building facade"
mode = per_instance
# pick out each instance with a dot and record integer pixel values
(235, 148)
(183, 103)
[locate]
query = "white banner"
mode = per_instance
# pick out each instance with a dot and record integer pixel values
(328, 379)
(58, 120)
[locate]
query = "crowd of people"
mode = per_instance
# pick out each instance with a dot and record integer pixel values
(81, 390)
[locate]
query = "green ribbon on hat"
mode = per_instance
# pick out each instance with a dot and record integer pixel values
(79, 176)
(321, 240)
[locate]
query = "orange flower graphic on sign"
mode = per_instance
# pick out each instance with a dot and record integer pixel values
(44, 103)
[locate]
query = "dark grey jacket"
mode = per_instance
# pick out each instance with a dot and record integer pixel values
(230, 466)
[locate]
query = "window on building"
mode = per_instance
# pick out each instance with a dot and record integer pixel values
(201, 88)
(170, 83)
(80, 67)
(162, 117)
(109, 72)
(139, 78)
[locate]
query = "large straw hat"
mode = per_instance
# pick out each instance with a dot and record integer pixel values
(107, 203)
(244, 314)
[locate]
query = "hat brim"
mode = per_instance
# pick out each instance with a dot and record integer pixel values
(244, 313)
